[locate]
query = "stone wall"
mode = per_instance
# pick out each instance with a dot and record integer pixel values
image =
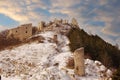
(22, 32)
(42, 26)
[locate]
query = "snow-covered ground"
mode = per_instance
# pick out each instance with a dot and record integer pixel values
(46, 61)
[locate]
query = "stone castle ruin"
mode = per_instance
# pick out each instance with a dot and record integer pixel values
(52, 25)
(21, 32)
(24, 31)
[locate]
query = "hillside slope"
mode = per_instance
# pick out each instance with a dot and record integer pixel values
(46, 61)
(95, 47)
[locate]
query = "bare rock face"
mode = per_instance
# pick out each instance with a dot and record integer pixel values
(79, 67)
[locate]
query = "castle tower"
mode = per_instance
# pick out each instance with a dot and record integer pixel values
(41, 26)
(56, 21)
(74, 22)
(65, 21)
(79, 67)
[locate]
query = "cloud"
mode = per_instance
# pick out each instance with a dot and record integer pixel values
(107, 39)
(70, 8)
(22, 11)
(114, 28)
(92, 29)
(64, 3)
(2, 28)
(103, 2)
(118, 42)
(97, 30)
(109, 13)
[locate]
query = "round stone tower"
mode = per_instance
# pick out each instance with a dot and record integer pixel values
(79, 67)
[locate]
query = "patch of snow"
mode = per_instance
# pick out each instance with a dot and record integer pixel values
(62, 58)
(10, 78)
(98, 63)
(47, 34)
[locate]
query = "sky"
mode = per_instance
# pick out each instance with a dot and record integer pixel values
(98, 17)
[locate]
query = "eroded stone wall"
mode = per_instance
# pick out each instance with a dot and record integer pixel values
(22, 32)
(79, 67)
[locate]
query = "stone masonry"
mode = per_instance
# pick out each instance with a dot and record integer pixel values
(74, 22)
(22, 32)
(79, 67)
